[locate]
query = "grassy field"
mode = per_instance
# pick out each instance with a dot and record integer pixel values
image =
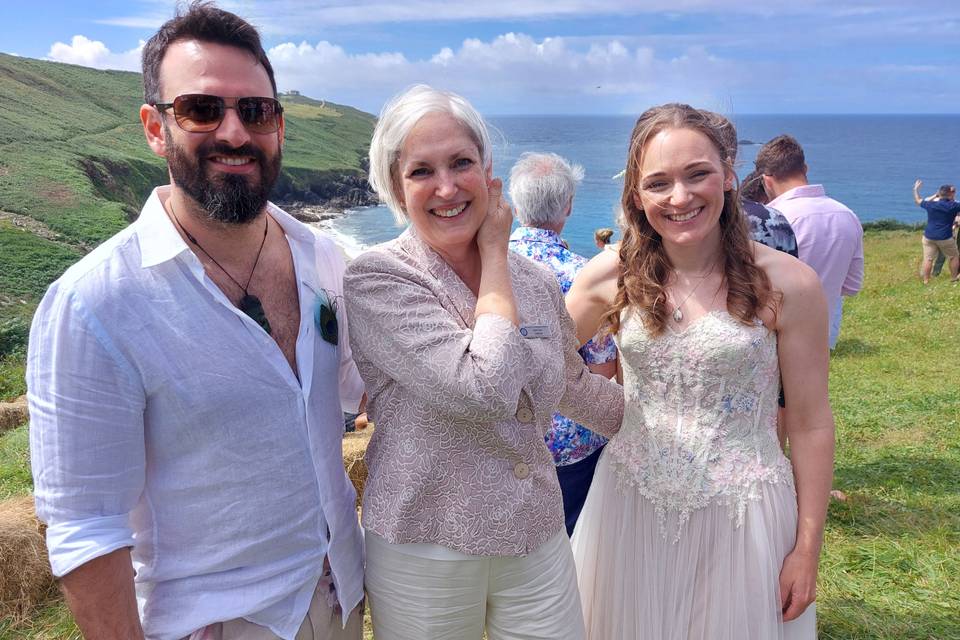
(73, 156)
(890, 567)
(73, 161)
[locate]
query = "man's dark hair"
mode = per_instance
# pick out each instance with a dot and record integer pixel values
(781, 158)
(946, 191)
(205, 22)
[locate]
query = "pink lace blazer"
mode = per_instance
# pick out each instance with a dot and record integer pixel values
(462, 403)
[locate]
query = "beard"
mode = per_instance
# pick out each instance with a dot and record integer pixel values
(227, 198)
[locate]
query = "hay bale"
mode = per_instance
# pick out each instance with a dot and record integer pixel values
(25, 578)
(13, 414)
(354, 447)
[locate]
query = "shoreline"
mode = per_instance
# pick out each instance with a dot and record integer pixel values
(324, 219)
(324, 216)
(321, 217)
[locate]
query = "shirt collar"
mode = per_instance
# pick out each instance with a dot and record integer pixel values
(160, 241)
(536, 234)
(803, 191)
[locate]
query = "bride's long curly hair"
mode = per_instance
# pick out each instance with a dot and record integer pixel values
(645, 268)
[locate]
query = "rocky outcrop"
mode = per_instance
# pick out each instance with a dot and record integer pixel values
(338, 192)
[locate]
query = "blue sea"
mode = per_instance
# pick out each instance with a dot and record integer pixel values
(868, 162)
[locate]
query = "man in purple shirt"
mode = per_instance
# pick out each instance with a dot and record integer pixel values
(829, 235)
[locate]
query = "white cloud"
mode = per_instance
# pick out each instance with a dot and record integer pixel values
(910, 69)
(151, 22)
(93, 53)
(517, 73)
(512, 72)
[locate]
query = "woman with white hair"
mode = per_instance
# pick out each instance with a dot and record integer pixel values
(466, 351)
(542, 188)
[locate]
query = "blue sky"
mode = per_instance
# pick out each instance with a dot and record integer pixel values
(560, 56)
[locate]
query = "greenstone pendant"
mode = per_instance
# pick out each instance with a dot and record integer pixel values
(252, 306)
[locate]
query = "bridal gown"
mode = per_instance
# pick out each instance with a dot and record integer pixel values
(693, 507)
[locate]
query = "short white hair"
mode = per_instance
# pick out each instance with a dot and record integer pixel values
(542, 186)
(398, 117)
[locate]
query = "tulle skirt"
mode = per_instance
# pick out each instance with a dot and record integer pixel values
(717, 582)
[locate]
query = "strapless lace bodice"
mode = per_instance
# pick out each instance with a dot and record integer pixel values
(699, 426)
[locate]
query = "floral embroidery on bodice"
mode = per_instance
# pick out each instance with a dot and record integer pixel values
(699, 425)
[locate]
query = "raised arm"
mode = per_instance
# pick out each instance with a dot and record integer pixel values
(496, 292)
(916, 191)
(803, 355)
(403, 326)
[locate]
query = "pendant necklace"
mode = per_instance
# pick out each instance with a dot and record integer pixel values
(677, 313)
(249, 304)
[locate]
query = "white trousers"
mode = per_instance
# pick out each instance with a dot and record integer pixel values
(452, 596)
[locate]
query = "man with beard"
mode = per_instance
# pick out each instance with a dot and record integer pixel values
(186, 381)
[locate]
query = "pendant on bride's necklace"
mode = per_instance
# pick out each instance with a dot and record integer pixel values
(677, 314)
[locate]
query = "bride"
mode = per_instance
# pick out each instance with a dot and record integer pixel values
(697, 526)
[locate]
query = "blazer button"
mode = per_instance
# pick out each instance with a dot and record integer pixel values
(524, 414)
(521, 470)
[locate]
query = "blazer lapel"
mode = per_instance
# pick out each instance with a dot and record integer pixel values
(451, 289)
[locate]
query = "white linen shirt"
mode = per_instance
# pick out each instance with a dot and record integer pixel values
(164, 419)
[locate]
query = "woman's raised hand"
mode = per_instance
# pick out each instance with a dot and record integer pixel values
(495, 294)
(494, 233)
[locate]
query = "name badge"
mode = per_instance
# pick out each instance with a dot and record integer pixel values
(535, 331)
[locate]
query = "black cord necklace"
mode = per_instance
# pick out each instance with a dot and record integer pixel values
(249, 304)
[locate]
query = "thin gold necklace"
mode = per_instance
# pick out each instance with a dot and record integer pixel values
(677, 313)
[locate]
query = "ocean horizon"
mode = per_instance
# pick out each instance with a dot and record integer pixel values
(868, 162)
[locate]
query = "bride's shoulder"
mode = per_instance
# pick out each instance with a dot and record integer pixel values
(787, 274)
(601, 268)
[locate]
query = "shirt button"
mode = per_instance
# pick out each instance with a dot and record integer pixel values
(524, 414)
(521, 470)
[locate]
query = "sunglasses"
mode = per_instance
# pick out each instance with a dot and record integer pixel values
(202, 113)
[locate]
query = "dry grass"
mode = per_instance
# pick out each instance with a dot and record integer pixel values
(354, 446)
(13, 414)
(25, 578)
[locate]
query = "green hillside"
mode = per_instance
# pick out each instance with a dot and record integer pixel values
(75, 169)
